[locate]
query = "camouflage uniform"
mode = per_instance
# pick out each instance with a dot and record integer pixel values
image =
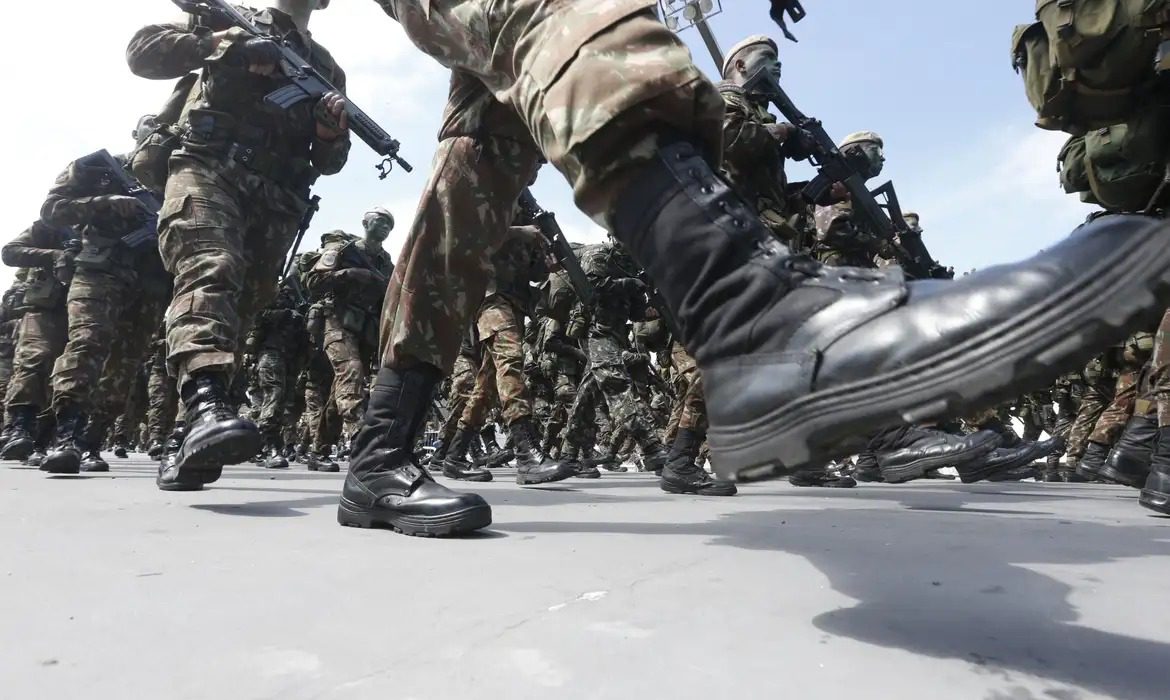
(462, 384)
(1101, 378)
(10, 315)
(1159, 377)
(561, 358)
(163, 397)
(277, 342)
(41, 336)
(690, 406)
(116, 298)
(500, 328)
(1130, 363)
(238, 185)
(590, 81)
(351, 312)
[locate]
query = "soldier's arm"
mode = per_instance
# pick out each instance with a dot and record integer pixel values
(70, 203)
(168, 51)
(744, 139)
(36, 247)
(330, 155)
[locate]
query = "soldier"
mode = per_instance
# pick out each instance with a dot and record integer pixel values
(840, 241)
(237, 190)
(520, 261)
(277, 342)
(616, 104)
(10, 315)
(162, 397)
(349, 281)
(116, 298)
(47, 252)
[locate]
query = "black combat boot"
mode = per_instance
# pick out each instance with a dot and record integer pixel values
(68, 443)
(604, 460)
(583, 469)
(801, 360)
(216, 437)
(1129, 460)
(385, 485)
(169, 478)
(1009, 463)
(21, 443)
(274, 454)
(434, 460)
(867, 469)
(92, 462)
(321, 462)
(1156, 491)
(907, 454)
(494, 456)
(680, 473)
(1090, 464)
(830, 476)
(457, 465)
(533, 466)
(120, 450)
(155, 449)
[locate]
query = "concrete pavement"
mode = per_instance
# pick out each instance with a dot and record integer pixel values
(586, 589)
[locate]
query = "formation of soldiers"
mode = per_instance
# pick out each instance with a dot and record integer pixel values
(154, 308)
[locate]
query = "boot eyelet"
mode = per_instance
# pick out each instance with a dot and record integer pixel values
(738, 223)
(707, 189)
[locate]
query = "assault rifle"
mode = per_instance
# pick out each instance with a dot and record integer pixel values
(113, 172)
(307, 81)
(306, 222)
(914, 258)
(546, 221)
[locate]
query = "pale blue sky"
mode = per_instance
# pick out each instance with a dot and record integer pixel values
(933, 78)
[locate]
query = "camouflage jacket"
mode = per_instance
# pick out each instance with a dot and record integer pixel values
(40, 248)
(620, 297)
(341, 251)
(231, 99)
(278, 330)
(518, 264)
(752, 159)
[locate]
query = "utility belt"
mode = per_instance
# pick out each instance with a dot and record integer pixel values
(250, 147)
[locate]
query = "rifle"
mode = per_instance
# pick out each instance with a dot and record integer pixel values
(307, 82)
(912, 252)
(363, 260)
(546, 221)
(306, 222)
(117, 174)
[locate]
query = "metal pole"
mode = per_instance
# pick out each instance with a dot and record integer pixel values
(711, 42)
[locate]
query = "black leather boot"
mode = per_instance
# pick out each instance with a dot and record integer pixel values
(1090, 464)
(1010, 463)
(457, 465)
(68, 443)
(121, 451)
(92, 462)
(867, 469)
(680, 473)
(571, 456)
(155, 450)
(905, 455)
(533, 466)
(21, 442)
(385, 485)
(1129, 460)
(1156, 491)
(800, 361)
(604, 460)
(169, 478)
(274, 454)
(828, 477)
(320, 462)
(434, 460)
(216, 437)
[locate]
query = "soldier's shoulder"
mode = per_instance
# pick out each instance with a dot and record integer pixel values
(733, 94)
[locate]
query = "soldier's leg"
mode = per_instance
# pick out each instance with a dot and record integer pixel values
(163, 402)
(271, 373)
(349, 372)
(463, 452)
(1094, 401)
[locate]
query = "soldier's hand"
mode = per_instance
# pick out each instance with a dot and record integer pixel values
(838, 192)
(332, 119)
(781, 131)
(261, 55)
(121, 205)
(357, 275)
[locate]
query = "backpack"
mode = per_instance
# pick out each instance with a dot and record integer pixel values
(1087, 64)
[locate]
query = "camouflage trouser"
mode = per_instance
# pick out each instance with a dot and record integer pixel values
(320, 416)
(628, 411)
(564, 392)
(273, 383)
(597, 84)
(5, 376)
(163, 400)
(133, 415)
(40, 340)
(344, 350)
(223, 234)
(1159, 376)
(462, 384)
(1094, 401)
(1113, 419)
(690, 408)
(501, 370)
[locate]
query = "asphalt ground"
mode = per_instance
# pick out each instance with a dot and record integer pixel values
(584, 589)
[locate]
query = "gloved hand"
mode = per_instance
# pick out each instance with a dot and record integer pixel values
(121, 205)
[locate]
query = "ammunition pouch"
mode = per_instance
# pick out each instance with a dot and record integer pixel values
(43, 291)
(249, 147)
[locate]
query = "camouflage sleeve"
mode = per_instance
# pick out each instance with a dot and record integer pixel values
(329, 157)
(36, 247)
(745, 140)
(167, 51)
(70, 203)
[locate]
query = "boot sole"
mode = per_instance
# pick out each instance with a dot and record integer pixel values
(460, 522)
(528, 480)
(205, 462)
(1155, 501)
(917, 469)
(1120, 293)
(18, 452)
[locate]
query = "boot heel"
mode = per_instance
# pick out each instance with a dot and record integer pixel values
(351, 515)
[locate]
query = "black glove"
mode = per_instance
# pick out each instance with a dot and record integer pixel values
(799, 146)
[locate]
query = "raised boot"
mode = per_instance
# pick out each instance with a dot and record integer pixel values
(907, 454)
(216, 436)
(65, 457)
(680, 473)
(533, 466)
(385, 485)
(1129, 460)
(20, 443)
(801, 361)
(457, 465)
(1091, 462)
(1156, 490)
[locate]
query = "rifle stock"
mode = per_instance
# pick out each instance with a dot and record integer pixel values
(546, 221)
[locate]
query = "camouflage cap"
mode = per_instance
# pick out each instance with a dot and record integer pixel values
(862, 136)
(754, 40)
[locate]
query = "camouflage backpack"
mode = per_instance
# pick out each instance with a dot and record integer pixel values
(1087, 64)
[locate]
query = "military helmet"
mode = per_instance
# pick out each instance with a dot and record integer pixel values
(754, 40)
(376, 213)
(862, 137)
